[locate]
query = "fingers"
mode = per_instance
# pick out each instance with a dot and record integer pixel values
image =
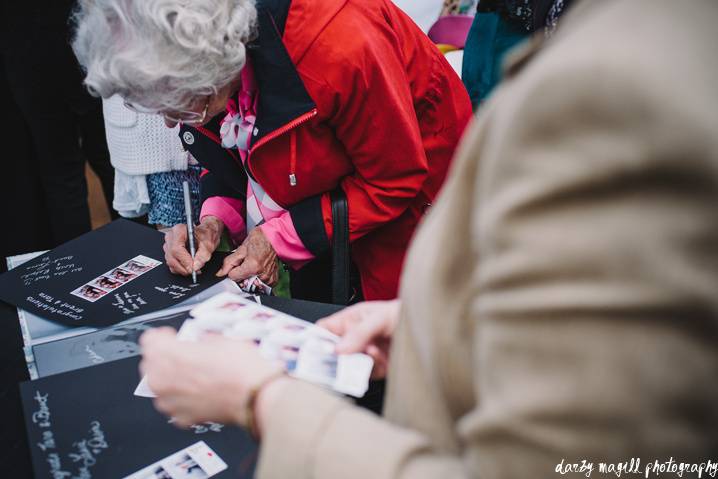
(338, 322)
(275, 278)
(357, 338)
(157, 348)
(254, 257)
(177, 257)
(171, 407)
(232, 261)
(248, 267)
(205, 248)
(156, 345)
(261, 259)
(157, 335)
(381, 361)
(207, 235)
(270, 275)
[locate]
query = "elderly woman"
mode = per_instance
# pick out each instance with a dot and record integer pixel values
(289, 106)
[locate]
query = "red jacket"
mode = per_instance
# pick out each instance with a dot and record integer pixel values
(351, 93)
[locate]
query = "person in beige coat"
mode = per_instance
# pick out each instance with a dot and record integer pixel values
(560, 301)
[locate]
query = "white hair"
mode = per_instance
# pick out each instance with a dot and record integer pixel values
(162, 54)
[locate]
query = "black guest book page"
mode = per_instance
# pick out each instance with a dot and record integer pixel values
(103, 277)
(87, 423)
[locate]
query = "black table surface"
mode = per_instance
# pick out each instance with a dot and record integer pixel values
(14, 453)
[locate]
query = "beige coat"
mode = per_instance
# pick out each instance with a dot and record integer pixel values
(561, 299)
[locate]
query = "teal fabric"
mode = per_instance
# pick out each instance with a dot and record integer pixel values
(489, 38)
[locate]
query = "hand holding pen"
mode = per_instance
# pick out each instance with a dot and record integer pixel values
(207, 236)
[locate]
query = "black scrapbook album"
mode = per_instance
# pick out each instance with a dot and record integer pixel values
(88, 423)
(106, 276)
(81, 414)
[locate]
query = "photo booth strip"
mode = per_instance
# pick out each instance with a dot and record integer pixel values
(115, 278)
(197, 461)
(89, 293)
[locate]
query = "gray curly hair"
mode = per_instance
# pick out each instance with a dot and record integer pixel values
(162, 54)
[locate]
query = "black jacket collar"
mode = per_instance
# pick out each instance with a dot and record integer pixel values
(282, 96)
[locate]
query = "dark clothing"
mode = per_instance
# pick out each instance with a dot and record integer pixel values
(546, 14)
(520, 13)
(313, 282)
(498, 26)
(558, 7)
(541, 8)
(66, 125)
(27, 227)
(491, 36)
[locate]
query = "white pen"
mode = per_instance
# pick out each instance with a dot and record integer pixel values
(190, 225)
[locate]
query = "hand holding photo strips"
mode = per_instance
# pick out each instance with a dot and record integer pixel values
(305, 350)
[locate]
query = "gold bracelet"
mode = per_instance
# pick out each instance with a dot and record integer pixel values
(252, 399)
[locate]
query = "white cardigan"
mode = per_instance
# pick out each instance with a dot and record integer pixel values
(141, 144)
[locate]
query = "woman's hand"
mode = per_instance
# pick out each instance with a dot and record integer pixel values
(207, 236)
(366, 328)
(255, 256)
(202, 381)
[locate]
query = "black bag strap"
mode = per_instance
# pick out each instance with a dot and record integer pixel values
(341, 262)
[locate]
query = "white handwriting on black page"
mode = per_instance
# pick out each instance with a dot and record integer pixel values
(49, 268)
(88, 449)
(41, 417)
(128, 303)
(56, 306)
(94, 357)
(202, 428)
(175, 291)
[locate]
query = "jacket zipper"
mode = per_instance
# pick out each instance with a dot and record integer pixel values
(280, 131)
(292, 157)
(217, 140)
(292, 143)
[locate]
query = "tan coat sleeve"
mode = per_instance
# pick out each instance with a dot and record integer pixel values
(594, 318)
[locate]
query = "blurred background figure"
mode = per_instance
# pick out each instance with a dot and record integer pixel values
(150, 166)
(30, 222)
(498, 27)
(450, 30)
(548, 12)
(423, 12)
(51, 129)
(63, 122)
(476, 35)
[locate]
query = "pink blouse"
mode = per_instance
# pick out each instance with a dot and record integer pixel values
(259, 210)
